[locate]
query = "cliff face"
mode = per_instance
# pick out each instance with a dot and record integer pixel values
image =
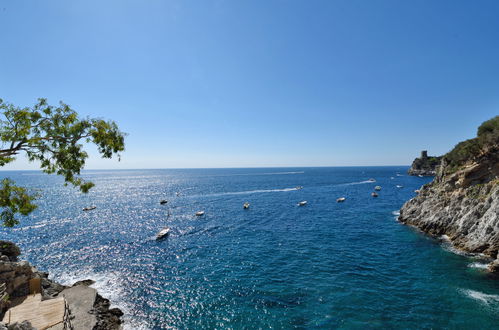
(424, 165)
(462, 201)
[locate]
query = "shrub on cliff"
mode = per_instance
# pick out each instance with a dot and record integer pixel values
(53, 136)
(487, 138)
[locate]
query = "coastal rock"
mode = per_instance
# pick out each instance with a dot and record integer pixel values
(16, 276)
(10, 250)
(462, 202)
(87, 282)
(425, 165)
(107, 318)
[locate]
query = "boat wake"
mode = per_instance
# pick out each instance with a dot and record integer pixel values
(355, 183)
(259, 191)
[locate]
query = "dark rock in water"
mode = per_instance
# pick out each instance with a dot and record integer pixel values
(107, 319)
(425, 165)
(87, 282)
(10, 250)
(462, 202)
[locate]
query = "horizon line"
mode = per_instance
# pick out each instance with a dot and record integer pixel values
(208, 168)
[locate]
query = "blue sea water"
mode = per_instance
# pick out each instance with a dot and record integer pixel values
(330, 265)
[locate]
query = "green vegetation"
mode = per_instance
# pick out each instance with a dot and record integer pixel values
(487, 138)
(433, 161)
(53, 136)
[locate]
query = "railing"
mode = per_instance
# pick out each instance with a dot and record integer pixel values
(67, 317)
(4, 296)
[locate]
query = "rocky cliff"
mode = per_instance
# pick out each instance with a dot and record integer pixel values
(462, 202)
(425, 165)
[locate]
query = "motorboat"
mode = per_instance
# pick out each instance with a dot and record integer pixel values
(374, 194)
(299, 187)
(199, 213)
(302, 203)
(246, 205)
(417, 191)
(372, 180)
(163, 202)
(341, 200)
(399, 186)
(377, 188)
(90, 208)
(163, 233)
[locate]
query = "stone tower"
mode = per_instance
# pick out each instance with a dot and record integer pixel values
(424, 154)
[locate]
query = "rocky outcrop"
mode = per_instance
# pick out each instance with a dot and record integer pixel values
(425, 165)
(462, 202)
(17, 274)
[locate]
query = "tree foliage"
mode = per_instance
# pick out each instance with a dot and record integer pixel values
(487, 139)
(54, 136)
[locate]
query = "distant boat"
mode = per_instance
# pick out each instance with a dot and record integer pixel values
(302, 203)
(374, 194)
(199, 213)
(372, 180)
(399, 186)
(341, 200)
(163, 233)
(378, 188)
(420, 176)
(177, 194)
(90, 208)
(299, 187)
(417, 191)
(163, 202)
(246, 205)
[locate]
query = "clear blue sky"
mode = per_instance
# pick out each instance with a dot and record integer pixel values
(260, 83)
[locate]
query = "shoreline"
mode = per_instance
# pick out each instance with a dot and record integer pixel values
(88, 308)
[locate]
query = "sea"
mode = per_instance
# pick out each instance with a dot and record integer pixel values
(324, 265)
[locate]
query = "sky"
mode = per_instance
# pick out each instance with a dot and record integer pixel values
(259, 83)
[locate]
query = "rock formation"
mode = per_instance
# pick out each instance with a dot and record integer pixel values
(16, 275)
(462, 202)
(425, 165)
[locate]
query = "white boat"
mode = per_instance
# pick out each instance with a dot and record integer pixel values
(378, 188)
(399, 186)
(374, 194)
(163, 233)
(199, 213)
(417, 191)
(372, 180)
(299, 187)
(302, 203)
(341, 200)
(420, 176)
(246, 205)
(90, 208)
